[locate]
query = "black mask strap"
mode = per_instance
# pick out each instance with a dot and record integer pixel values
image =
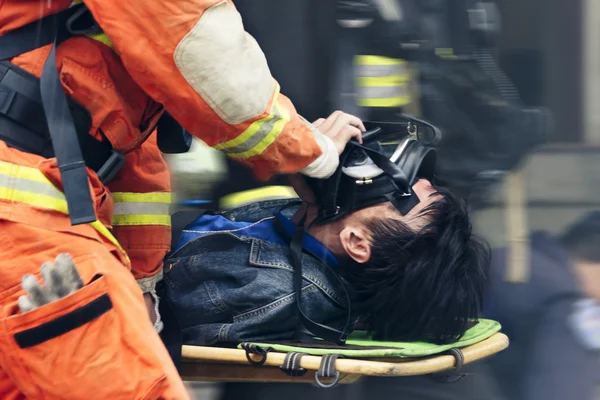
(400, 179)
(405, 203)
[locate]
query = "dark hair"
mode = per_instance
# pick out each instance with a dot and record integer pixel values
(422, 286)
(582, 239)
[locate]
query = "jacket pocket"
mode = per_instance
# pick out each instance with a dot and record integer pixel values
(74, 348)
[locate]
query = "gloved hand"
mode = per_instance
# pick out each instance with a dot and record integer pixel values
(60, 280)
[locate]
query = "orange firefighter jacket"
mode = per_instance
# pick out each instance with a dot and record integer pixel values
(193, 59)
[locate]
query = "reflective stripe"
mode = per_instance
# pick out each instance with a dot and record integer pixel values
(383, 92)
(393, 102)
(384, 96)
(141, 208)
(377, 60)
(259, 135)
(382, 70)
(248, 196)
(27, 185)
(446, 53)
(394, 80)
(382, 81)
(102, 38)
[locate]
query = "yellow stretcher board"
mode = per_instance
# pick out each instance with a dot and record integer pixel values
(215, 364)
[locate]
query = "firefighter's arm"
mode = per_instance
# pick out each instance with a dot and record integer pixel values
(196, 59)
(141, 220)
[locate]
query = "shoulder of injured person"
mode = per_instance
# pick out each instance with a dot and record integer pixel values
(418, 276)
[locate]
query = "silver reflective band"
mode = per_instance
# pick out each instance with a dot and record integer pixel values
(31, 186)
(382, 92)
(141, 208)
(369, 70)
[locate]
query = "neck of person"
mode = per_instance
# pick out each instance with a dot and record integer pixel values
(327, 234)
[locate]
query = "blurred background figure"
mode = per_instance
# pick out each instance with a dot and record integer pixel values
(553, 319)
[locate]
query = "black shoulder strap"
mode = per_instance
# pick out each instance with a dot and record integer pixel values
(65, 141)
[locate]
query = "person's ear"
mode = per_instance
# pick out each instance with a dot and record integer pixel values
(356, 244)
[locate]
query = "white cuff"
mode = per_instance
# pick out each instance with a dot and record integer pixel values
(149, 284)
(324, 166)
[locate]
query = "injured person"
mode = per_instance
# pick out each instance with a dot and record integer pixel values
(382, 249)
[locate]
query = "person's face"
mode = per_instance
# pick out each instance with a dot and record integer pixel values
(355, 236)
(589, 277)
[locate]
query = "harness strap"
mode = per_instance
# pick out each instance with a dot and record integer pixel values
(63, 134)
(65, 142)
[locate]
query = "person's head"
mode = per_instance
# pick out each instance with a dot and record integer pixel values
(582, 241)
(419, 276)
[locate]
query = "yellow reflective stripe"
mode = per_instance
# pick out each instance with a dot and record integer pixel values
(152, 197)
(141, 208)
(102, 38)
(277, 120)
(446, 53)
(33, 199)
(97, 225)
(141, 219)
(394, 80)
(265, 193)
(377, 60)
(391, 102)
(252, 129)
(28, 185)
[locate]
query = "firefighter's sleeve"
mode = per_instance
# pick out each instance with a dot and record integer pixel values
(196, 59)
(141, 220)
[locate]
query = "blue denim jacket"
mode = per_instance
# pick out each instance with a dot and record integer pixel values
(226, 287)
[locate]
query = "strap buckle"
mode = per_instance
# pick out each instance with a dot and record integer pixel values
(329, 213)
(110, 168)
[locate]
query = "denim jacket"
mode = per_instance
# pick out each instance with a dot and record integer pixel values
(226, 287)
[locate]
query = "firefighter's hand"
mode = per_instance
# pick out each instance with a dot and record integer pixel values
(60, 280)
(341, 127)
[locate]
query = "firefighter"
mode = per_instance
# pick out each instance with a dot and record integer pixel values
(82, 88)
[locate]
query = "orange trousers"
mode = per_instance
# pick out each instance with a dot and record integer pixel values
(97, 343)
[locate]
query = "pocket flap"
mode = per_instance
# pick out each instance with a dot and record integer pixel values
(60, 316)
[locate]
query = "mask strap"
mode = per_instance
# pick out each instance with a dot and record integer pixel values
(329, 208)
(388, 167)
(407, 203)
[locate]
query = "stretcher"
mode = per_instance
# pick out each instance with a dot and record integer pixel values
(328, 366)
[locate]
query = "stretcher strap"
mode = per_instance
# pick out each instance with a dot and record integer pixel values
(328, 370)
(251, 348)
(454, 375)
(291, 364)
